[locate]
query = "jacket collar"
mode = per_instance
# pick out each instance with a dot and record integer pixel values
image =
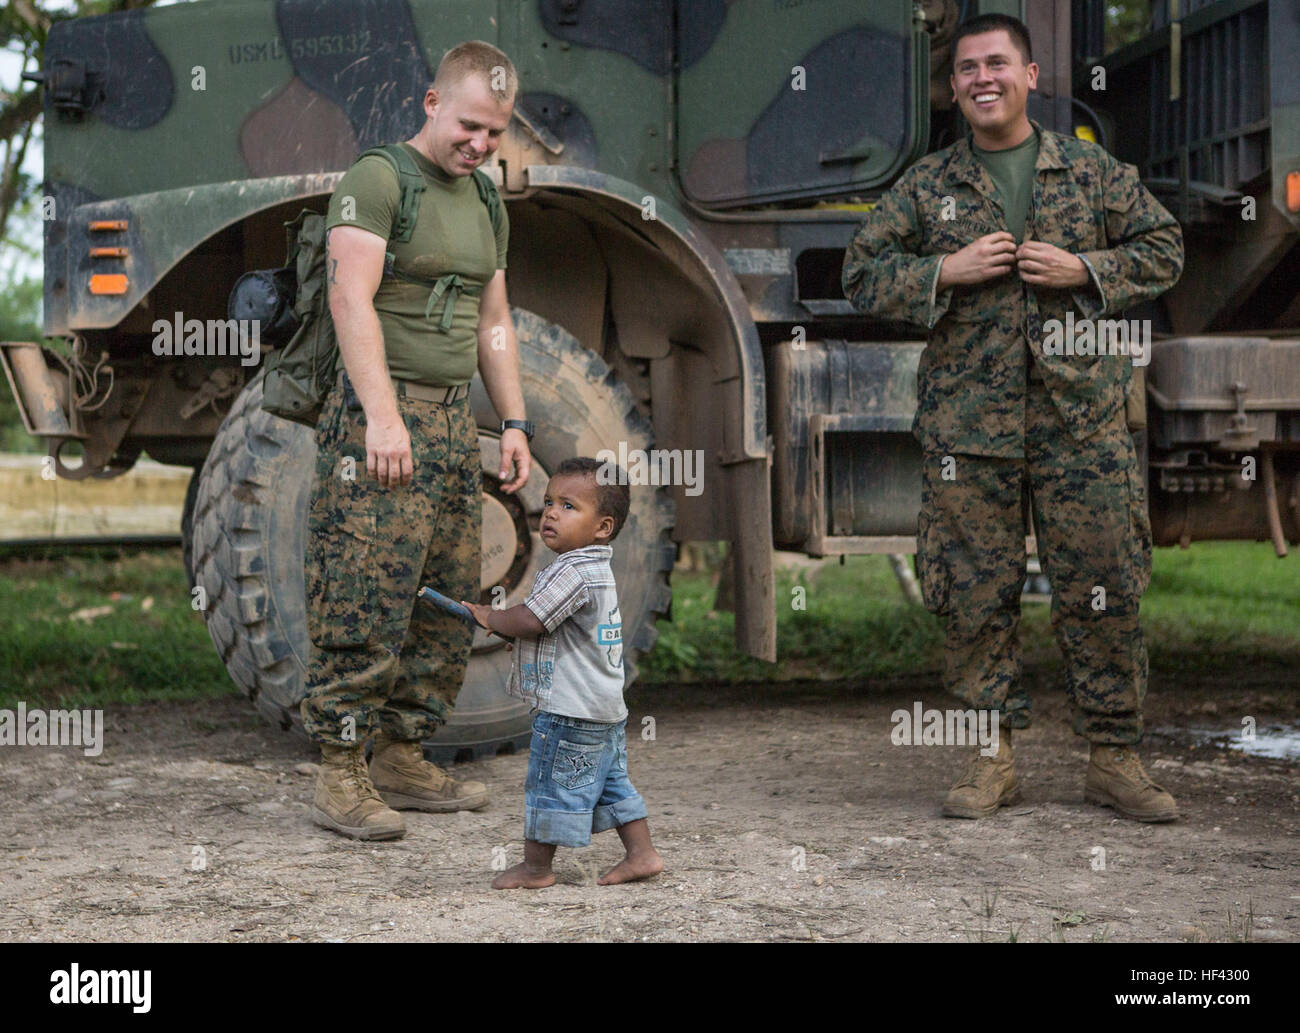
(965, 167)
(1051, 155)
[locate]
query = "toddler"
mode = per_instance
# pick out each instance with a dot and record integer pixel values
(569, 665)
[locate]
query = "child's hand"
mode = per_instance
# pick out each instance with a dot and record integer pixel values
(480, 613)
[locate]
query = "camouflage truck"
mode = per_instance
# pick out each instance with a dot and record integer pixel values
(682, 178)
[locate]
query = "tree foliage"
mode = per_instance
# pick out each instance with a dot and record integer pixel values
(1126, 21)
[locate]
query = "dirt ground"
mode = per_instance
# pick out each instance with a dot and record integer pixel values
(782, 813)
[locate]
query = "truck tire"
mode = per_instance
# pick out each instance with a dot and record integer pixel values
(249, 519)
(187, 525)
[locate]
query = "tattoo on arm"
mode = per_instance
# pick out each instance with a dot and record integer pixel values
(334, 269)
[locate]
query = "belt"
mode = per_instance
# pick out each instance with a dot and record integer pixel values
(425, 393)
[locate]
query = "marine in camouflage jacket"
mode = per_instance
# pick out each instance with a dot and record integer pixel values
(972, 376)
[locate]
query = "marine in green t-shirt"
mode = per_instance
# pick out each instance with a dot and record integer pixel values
(378, 668)
(453, 236)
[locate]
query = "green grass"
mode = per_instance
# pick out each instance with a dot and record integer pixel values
(1214, 608)
(1223, 605)
(127, 656)
(855, 624)
(1218, 606)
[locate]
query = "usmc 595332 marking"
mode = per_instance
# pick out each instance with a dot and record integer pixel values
(299, 47)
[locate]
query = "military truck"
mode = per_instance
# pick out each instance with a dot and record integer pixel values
(682, 178)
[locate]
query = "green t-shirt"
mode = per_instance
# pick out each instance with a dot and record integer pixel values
(453, 234)
(1012, 172)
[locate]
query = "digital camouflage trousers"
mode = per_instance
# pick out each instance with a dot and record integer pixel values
(378, 661)
(1094, 544)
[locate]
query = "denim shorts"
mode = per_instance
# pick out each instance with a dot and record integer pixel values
(577, 781)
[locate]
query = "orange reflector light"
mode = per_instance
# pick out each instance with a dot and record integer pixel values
(108, 283)
(108, 226)
(108, 252)
(1293, 192)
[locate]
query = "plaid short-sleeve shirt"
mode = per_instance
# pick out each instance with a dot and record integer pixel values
(574, 669)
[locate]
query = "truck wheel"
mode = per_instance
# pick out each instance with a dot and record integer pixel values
(187, 525)
(249, 518)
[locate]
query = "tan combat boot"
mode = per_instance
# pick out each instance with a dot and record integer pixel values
(407, 781)
(989, 783)
(1117, 779)
(346, 801)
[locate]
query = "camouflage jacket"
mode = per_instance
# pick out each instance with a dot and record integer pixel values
(972, 377)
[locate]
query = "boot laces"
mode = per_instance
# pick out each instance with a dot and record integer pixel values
(1128, 762)
(358, 774)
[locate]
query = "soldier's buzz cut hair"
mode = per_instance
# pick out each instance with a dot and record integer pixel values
(1014, 27)
(477, 58)
(612, 500)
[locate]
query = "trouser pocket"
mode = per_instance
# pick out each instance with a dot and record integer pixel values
(931, 566)
(576, 764)
(340, 583)
(1139, 528)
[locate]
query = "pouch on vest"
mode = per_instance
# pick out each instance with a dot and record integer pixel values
(299, 375)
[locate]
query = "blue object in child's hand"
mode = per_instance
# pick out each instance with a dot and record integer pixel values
(439, 600)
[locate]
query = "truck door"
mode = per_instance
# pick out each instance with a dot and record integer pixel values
(787, 99)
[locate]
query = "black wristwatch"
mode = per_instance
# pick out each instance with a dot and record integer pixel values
(525, 425)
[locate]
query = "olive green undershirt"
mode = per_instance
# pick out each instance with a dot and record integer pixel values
(1012, 172)
(430, 341)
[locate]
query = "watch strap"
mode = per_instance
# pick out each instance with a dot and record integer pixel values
(525, 425)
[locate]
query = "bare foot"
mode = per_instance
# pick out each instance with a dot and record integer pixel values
(523, 877)
(643, 865)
